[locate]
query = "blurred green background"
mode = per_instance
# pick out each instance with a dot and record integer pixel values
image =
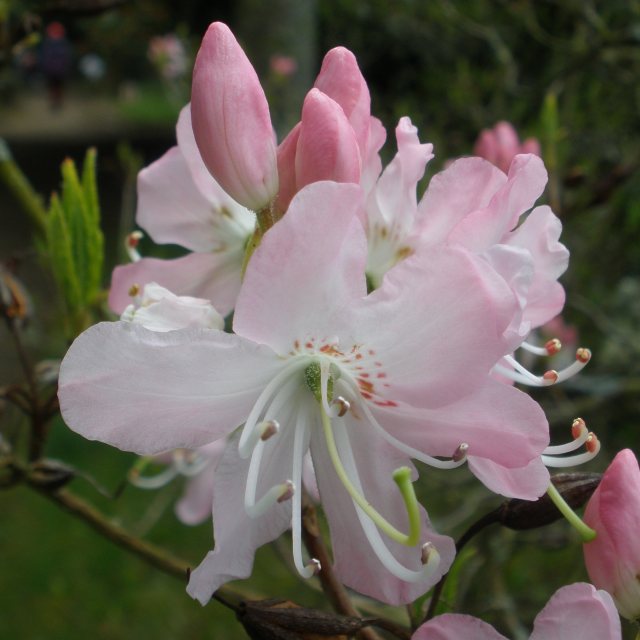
(564, 71)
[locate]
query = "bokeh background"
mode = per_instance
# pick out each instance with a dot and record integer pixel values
(114, 73)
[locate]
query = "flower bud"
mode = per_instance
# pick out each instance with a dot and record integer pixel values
(613, 558)
(231, 120)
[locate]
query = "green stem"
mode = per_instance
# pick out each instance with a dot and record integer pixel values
(586, 533)
(402, 477)
(19, 185)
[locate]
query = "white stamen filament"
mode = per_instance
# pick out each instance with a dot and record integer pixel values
(576, 443)
(273, 495)
(593, 447)
(131, 245)
(371, 530)
(152, 482)
(405, 448)
(524, 376)
(300, 445)
(251, 431)
(189, 463)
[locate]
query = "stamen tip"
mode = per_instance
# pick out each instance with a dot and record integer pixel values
(550, 376)
(583, 355)
(315, 565)
(592, 443)
(343, 405)
(461, 452)
(578, 427)
(427, 551)
(553, 346)
(269, 429)
(288, 489)
(133, 239)
(134, 290)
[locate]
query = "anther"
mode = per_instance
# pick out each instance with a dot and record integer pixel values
(426, 552)
(550, 376)
(134, 290)
(578, 427)
(288, 491)
(461, 452)
(553, 346)
(131, 243)
(269, 429)
(343, 405)
(583, 355)
(592, 443)
(317, 567)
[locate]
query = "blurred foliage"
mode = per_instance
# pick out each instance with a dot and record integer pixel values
(565, 71)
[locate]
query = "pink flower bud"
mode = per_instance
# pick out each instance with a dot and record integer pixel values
(341, 80)
(231, 120)
(501, 144)
(327, 147)
(613, 558)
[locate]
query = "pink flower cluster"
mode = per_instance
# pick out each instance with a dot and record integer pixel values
(370, 328)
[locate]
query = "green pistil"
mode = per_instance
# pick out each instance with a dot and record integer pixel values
(401, 476)
(313, 379)
(586, 533)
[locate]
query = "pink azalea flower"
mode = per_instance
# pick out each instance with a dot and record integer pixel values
(180, 203)
(501, 145)
(575, 611)
(613, 558)
(316, 364)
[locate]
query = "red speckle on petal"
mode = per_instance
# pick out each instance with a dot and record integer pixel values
(382, 374)
(385, 403)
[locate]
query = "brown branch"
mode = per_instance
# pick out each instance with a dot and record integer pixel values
(332, 587)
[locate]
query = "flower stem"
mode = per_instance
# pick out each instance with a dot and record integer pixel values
(586, 533)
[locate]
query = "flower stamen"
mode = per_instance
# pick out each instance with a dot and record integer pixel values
(523, 376)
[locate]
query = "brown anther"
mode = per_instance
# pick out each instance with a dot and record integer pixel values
(461, 452)
(133, 239)
(592, 443)
(288, 491)
(317, 567)
(550, 376)
(577, 427)
(343, 404)
(553, 346)
(269, 429)
(583, 355)
(134, 290)
(425, 552)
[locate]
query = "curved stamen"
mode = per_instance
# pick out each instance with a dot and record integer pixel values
(342, 404)
(251, 431)
(592, 445)
(156, 481)
(131, 243)
(551, 347)
(402, 477)
(189, 463)
(281, 400)
(300, 446)
(456, 460)
(429, 556)
(580, 434)
(523, 376)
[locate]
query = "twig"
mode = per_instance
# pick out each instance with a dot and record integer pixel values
(332, 587)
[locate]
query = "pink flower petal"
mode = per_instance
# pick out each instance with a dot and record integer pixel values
(449, 310)
(487, 226)
(147, 392)
(171, 209)
(454, 626)
(498, 422)
(341, 80)
(527, 483)
(237, 536)
(466, 185)
(356, 563)
(539, 234)
(327, 147)
(371, 161)
(214, 276)
(578, 611)
(231, 120)
(307, 267)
